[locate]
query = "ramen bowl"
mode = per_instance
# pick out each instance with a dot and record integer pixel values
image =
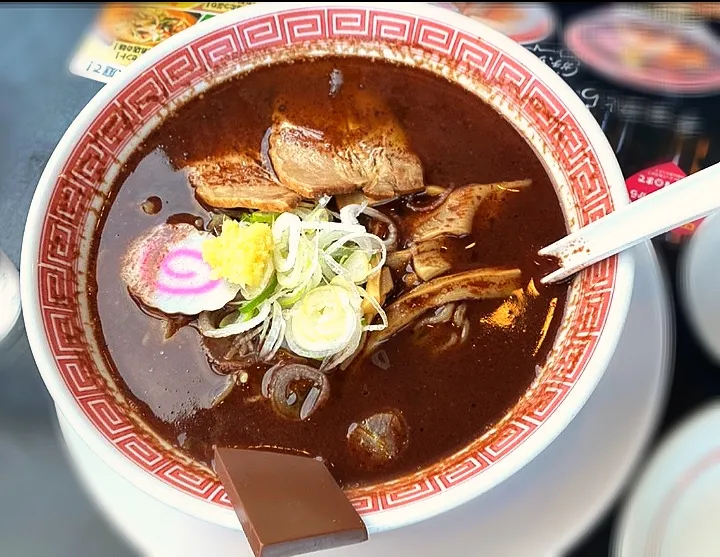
(56, 266)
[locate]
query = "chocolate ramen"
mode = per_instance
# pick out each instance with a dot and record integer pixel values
(333, 258)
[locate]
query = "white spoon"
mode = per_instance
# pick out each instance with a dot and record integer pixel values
(686, 200)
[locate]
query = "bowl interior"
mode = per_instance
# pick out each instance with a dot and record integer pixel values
(74, 188)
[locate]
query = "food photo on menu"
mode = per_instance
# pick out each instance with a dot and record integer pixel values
(358, 278)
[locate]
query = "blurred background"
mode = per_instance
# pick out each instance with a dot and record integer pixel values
(649, 73)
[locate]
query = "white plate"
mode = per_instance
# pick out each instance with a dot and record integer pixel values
(699, 284)
(604, 37)
(546, 506)
(531, 22)
(9, 295)
(673, 511)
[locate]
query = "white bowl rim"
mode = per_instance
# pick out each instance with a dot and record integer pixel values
(385, 519)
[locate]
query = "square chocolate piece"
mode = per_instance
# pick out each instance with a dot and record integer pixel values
(287, 504)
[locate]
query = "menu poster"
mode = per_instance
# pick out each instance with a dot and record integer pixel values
(122, 32)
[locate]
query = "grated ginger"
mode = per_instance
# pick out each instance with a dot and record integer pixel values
(240, 254)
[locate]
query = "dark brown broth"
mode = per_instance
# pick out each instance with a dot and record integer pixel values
(447, 399)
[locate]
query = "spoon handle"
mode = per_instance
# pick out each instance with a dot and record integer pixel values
(686, 200)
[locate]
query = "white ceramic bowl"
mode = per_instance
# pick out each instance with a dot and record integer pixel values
(64, 212)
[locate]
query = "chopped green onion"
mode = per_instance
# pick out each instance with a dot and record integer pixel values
(248, 308)
(311, 298)
(259, 216)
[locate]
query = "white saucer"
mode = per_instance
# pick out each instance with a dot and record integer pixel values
(673, 511)
(543, 509)
(699, 284)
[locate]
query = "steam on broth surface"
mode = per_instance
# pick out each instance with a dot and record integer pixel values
(334, 258)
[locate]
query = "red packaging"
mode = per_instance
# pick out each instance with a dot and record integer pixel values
(654, 178)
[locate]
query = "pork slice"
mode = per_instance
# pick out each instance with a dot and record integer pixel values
(397, 170)
(238, 181)
(308, 165)
(357, 144)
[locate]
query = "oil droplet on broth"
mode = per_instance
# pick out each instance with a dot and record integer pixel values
(152, 205)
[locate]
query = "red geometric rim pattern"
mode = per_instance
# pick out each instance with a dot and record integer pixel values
(145, 95)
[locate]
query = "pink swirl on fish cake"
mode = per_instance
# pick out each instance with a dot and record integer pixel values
(165, 269)
(185, 282)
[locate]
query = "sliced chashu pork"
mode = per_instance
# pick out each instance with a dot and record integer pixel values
(355, 143)
(238, 181)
